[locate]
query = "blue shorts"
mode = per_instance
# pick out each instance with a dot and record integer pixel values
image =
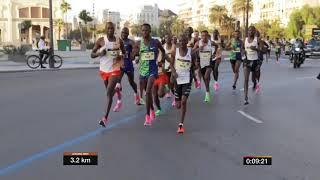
(128, 66)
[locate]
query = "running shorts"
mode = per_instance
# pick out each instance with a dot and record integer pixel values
(252, 65)
(182, 90)
(162, 79)
(106, 76)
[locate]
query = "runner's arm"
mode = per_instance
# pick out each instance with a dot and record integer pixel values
(173, 69)
(162, 51)
(228, 46)
(97, 46)
(135, 51)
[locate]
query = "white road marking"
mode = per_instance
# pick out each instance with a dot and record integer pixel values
(250, 117)
(308, 77)
(242, 89)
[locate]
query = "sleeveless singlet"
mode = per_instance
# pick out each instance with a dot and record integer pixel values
(183, 67)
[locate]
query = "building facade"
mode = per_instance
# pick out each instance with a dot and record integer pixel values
(112, 16)
(146, 14)
(14, 12)
(195, 12)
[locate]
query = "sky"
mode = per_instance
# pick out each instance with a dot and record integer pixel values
(123, 6)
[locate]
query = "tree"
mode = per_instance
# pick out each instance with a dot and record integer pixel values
(85, 16)
(165, 27)
(64, 7)
(154, 32)
(178, 26)
(263, 26)
(228, 25)
(202, 27)
(240, 6)
(275, 30)
(135, 30)
(295, 25)
(216, 14)
(59, 24)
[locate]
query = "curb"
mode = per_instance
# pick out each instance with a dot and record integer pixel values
(43, 70)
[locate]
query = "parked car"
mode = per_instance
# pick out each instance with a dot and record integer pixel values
(313, 48)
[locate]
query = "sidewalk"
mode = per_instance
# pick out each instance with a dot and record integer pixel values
(70, 61)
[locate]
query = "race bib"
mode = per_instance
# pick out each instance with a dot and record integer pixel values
(250, 51)
(147, 56)
(205, 57)
(182, 65)
(112, 54)
(183, 79)
(237, 50)
(278, 47)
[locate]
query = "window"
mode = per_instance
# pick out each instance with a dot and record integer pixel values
(35, 12)
(45, 13)
(24, 13)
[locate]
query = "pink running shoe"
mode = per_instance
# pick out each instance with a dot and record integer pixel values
(168, 95)
(147, 121)
(152, 115)
(103, 121)
(173, 103)
(216, 86)
(118, 106)
(258, 88)
(137, 100)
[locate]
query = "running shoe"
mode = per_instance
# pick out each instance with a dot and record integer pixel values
(118, 86)
(142, 101)
(173, 103)
(318, 77)
(234, 87)
(254, 86)
(216, 86)
(147, 121)
(118, 106)
(152, 115)
(207, 97)
(168, 95)
(246, 102)
(158, 112)
(278, 62)
(258, 88)
(103, 121)
(180, 129)
(137, 100)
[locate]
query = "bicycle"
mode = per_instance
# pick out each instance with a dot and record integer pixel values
(33, 61)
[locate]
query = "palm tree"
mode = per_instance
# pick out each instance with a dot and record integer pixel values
(178, 26)
(65, 6)
(85, 17)
(59, 24)
(228, 24)
(239, 6)
(217, 14)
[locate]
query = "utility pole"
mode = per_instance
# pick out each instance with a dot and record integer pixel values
(247, 18)
(51, 63)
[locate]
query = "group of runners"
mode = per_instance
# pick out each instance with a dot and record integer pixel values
(168, 69)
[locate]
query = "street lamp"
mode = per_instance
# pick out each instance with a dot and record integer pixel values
(51, 63)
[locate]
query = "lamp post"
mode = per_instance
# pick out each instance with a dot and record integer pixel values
(51, 63)
(247, 18)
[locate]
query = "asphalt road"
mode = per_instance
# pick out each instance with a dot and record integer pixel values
(43, 114)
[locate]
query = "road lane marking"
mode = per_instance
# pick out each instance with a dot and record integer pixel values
(250, 117)
(307, 77)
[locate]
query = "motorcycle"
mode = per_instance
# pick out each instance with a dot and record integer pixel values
(298, 56)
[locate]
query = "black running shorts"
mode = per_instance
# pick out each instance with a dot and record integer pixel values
(182, 90)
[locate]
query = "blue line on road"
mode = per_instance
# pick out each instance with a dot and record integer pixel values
(21, 163)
